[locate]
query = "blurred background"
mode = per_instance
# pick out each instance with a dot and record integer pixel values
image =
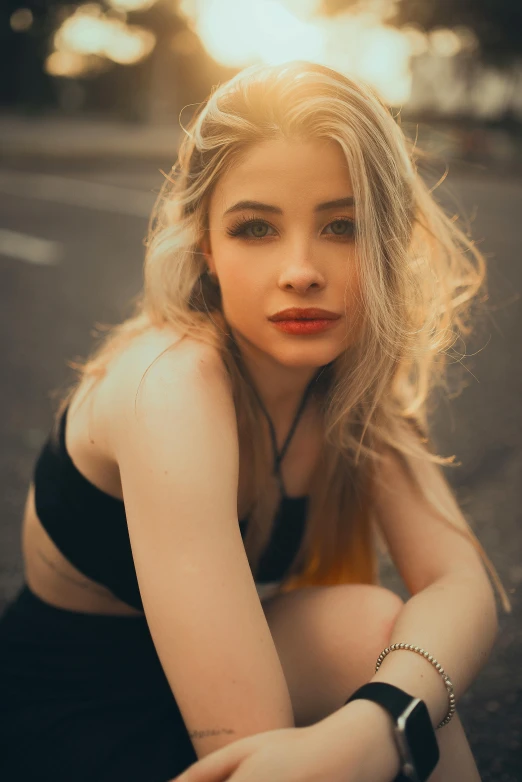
(92, 99)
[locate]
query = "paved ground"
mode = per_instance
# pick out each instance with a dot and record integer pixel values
(71, 251)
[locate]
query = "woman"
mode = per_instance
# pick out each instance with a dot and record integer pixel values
(138, 647)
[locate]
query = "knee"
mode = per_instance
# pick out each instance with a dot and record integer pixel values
(378, 606)
(356, 622)
(387, 606)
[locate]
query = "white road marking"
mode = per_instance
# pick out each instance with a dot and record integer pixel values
(29, 248)
(75, 192)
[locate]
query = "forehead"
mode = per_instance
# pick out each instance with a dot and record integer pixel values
(273, 170)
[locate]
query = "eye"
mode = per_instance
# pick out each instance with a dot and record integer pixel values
(241, 227)
(343, 227)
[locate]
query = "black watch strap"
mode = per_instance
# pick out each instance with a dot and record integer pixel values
(392, 698)
(396, 701)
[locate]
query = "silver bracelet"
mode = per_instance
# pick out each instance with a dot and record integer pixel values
(433, 661)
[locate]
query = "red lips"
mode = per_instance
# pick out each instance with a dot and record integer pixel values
(310, 313)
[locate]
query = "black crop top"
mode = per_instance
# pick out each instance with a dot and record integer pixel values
(89, 526)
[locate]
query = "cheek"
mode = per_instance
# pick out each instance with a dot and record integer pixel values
(242, 279)
(353, 286)
(354, 302)
(243, 294)
(347, 277)
(350, 294)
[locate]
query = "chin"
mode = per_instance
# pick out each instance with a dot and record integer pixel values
(304, 356)
(291, 352)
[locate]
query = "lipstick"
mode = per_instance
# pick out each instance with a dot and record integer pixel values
(304, 327)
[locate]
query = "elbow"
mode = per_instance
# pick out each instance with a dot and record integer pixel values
(478, 593)
(484, 596)
(487, 596)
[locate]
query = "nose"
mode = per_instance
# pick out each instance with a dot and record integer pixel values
(301, 273)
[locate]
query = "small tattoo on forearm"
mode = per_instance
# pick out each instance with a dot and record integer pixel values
(201, 734)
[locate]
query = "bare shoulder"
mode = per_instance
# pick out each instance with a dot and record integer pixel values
(163, 353)
(151, 367)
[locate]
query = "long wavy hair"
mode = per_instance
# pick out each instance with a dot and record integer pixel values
(419, 275)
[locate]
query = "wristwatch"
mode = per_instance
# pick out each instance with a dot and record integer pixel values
(413, 731)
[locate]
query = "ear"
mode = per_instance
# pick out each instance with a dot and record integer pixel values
(206, 251)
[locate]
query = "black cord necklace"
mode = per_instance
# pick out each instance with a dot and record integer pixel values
(278, 457)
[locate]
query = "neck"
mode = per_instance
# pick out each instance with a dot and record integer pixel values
(280, 387)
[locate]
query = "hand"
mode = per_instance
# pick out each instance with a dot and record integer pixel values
(283, 755)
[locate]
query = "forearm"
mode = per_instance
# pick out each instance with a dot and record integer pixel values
(453, 619)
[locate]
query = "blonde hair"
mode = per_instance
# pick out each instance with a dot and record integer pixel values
(418, 274)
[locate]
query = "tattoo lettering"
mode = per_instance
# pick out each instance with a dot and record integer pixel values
(200, 734)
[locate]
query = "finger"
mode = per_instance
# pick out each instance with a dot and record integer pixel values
(218, 766)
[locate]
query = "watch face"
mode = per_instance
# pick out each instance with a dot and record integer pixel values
(422, 742)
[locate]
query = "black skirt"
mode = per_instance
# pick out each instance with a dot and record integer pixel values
(83, 698)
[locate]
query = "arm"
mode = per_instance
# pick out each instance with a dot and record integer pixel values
(356, 743)
(177, 449)
(454, 619)
(451, 614)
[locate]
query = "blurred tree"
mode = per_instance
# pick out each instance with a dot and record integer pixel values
(177, 72)
(496, 23)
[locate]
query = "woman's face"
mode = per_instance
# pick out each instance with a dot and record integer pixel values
(292, 252)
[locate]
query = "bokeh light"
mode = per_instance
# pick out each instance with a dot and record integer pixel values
(21, 20)
(88, 32)
(445, 43)
(73, 64)
(237, 34)
(131, 5)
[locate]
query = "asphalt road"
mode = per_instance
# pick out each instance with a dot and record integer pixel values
(71, 252)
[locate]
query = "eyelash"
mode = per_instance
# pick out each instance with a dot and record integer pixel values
(239, 227)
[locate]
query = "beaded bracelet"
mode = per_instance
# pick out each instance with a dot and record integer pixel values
(433, 661)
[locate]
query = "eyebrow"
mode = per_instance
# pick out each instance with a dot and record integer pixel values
(348, 201)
